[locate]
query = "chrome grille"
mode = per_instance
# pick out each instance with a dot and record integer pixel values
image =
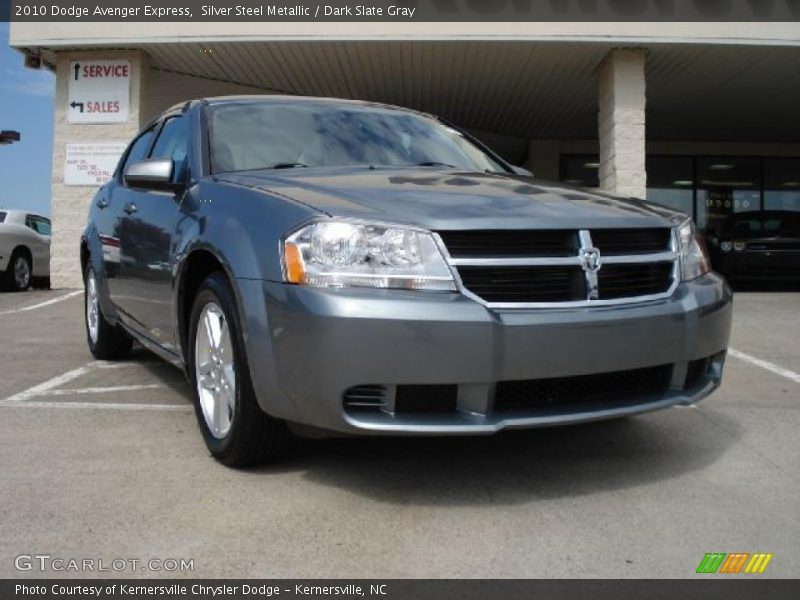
(505, 243)
(528, 268)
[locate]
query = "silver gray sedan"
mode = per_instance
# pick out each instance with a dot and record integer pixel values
(321, 265)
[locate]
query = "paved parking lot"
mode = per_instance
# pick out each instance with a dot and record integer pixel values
(104, 460)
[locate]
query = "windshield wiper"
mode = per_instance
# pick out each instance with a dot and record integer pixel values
(287, 165)
(433, 163)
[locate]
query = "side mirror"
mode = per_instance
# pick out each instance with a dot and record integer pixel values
(152, 174)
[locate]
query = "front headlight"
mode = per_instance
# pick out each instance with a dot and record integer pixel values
(694, 260)
(340, 253)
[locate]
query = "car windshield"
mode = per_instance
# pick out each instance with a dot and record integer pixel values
(767, 225)
(266, 135)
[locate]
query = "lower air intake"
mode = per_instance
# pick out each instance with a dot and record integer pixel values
(615, 387)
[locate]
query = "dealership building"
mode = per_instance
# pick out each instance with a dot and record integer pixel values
(697, 115)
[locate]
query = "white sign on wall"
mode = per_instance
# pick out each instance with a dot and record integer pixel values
(99, 91)
(91, 163)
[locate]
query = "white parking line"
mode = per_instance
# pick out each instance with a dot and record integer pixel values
(105, 390)
(46, 386)
(42, 304)
(111, 405)
(753, 360)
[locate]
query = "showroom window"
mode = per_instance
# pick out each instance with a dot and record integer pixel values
(580, 170)
(670, 181)
(710, 188)
(782, 184)
(726, 185)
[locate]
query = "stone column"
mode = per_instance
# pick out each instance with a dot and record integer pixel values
(621, 122)
(69, 205)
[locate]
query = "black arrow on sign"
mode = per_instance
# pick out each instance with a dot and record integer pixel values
(77, 105)
(77, 69)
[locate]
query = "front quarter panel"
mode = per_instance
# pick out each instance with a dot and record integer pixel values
(242, 227)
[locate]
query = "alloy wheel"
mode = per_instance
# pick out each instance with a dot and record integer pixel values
(92, 307)
(215, 371)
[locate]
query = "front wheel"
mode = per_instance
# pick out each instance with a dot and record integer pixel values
(105, 341)
(236, 431)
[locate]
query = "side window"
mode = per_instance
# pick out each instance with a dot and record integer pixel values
(139, 148)
(42, 225)
(2, 217)
(173, 142)
(30, 223)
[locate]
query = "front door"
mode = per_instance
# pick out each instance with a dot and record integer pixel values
(146, 235)
(109, 218)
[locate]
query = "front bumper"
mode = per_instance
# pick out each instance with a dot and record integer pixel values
(307, 347)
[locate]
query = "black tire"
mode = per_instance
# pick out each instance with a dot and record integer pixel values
(10, 278)
(111, 342)
(254, 437)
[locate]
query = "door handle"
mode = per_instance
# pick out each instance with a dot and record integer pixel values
(130, 208)
(102, 203)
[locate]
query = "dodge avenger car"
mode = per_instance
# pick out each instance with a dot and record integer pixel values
(329, 265)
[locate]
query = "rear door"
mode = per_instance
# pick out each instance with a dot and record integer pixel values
(146, 240)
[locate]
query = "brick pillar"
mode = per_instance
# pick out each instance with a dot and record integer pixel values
(69, 205)
(621, 122)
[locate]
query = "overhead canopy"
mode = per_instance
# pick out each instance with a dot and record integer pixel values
(525, 89)
(712, 84)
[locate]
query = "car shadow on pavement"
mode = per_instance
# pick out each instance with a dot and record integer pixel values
(516, 467)
(161, 371)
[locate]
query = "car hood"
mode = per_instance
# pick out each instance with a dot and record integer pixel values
(443, 198)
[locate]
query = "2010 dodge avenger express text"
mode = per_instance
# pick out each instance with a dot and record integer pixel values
(366, 269)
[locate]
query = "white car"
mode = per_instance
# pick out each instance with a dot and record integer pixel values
(24, 250)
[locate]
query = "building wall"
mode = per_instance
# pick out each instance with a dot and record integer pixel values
(543, 155)
(69, 204)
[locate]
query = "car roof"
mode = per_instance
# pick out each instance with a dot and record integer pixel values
(286, 99)
(15, 212)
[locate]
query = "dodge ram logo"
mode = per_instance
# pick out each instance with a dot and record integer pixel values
(590, 259)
